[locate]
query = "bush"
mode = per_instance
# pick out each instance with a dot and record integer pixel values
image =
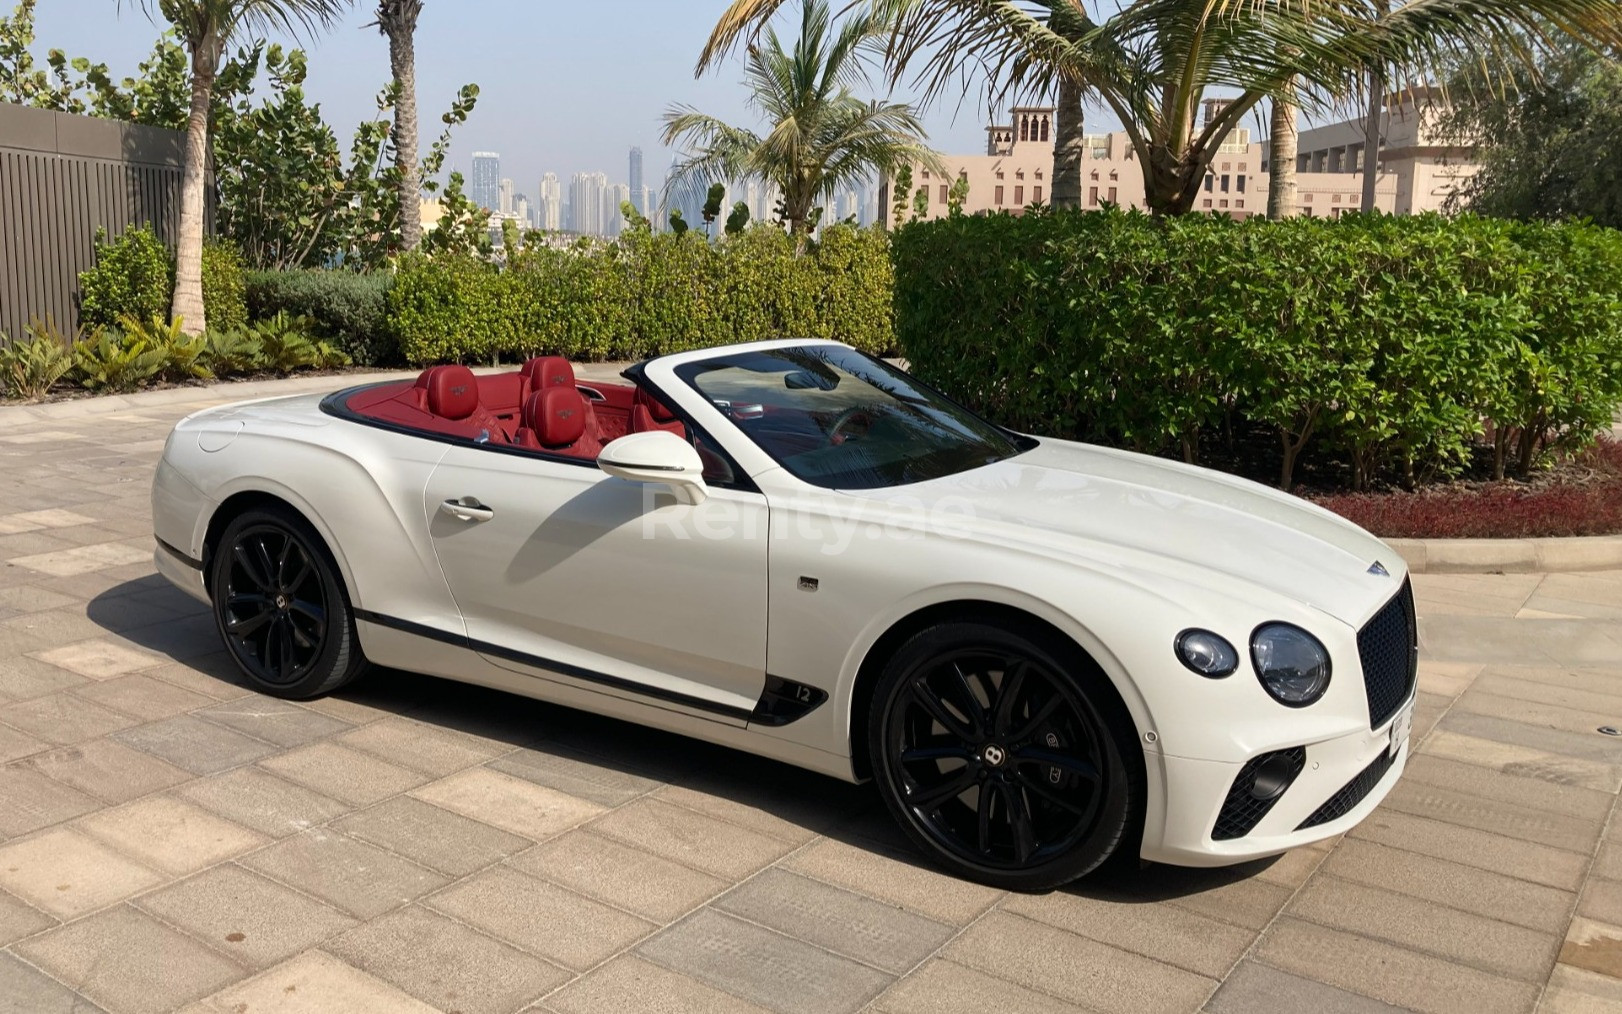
(348, 308)
(645, 295)
(133, 275)
(1382, 343)
(224, 300)
(30, 367)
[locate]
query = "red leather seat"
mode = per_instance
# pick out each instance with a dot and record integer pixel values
(452, 393)
(649, 413)
(559, 419)
(543, 372)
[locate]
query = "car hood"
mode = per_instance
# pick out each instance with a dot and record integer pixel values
(1113, 508)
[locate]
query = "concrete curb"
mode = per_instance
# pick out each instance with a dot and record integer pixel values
(1510, 556)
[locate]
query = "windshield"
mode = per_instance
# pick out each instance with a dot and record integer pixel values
(839, 419)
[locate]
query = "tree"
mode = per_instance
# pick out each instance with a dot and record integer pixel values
(821, 137)
(1548, 147)
(738, 220)
(1283, 142)
(712, 205)
(1152, 62)
(206, 27)
(397, 19)
(678, 225)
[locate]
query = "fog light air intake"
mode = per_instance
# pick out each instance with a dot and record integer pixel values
(1260, 784)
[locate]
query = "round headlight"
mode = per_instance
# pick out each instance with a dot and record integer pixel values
(1292, 664)
(1206, 653)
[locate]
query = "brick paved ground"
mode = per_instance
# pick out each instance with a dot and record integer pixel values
(170, 840)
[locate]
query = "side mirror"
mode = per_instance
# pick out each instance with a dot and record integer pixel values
(657, 456)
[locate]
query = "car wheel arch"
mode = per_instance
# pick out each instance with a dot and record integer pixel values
(235, 504)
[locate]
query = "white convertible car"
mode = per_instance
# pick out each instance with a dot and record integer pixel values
(1042, 652)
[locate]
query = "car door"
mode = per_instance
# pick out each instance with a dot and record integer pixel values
(562, 571)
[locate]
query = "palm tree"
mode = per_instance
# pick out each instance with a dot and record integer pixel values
(206, 28)
(1283, 139)
(1151, 62)
(397, 19)
(821, 137)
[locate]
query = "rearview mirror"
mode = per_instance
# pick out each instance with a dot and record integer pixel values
(657, 456)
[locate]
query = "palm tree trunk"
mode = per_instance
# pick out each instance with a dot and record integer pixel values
(187, 305)
(1069, 138)
(1283, 144)
(398, 20)
(1371, 135)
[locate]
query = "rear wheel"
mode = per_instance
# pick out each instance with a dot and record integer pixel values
(1001, 754)
(281, 608)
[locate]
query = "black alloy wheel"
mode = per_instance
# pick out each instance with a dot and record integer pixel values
(997, 759)
(280, 607)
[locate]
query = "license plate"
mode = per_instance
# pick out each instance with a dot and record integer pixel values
(1399, 729)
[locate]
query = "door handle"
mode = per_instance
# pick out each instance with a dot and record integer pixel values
(467, 509)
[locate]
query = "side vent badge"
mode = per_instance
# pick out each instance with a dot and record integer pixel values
(1378, 569)
(808, 583)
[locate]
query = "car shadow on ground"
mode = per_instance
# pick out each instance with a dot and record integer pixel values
(631, 757)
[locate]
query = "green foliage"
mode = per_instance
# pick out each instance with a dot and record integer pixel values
(645, 295)
(184, 356)
(738, 219)
(111, 361)
(956, 195)
(133, 275)
(678, 225)
(224, 289)
(228, 353)
(347, 307)
(712, 203)
(287, 343)
(30, 367)
(1382, 343)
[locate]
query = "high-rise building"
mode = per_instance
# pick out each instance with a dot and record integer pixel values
(484, 187)
(613, 219)
(521, 211)
(504, 193)
(636, 187)
(549, 204)
(586, 194)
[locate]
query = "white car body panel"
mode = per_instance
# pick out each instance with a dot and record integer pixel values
(680, 630)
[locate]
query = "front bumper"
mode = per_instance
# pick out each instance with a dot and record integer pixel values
(1195, 791)
(183, 572)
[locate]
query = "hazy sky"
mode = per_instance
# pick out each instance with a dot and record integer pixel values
(564, 87)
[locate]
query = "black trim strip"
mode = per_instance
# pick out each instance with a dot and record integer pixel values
(563, 668)
(177, 554)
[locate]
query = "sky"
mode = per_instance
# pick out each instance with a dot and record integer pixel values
(563, 87)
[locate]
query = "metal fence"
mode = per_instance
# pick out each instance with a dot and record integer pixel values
(61, 178)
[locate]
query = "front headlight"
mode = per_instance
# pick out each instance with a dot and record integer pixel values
(1292, 664)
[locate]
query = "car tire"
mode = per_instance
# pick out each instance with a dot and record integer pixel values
(281, 607)
(1003, 752)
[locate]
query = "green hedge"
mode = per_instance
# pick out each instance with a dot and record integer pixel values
(348, 308)
(1388, 345)
(645, 295)
(134, 276)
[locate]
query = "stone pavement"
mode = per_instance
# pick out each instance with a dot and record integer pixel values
(170, 840)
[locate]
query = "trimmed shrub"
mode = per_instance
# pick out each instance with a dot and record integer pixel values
(133, 275)
(645, 295)
(224, 295)
(347, 307)
(1383, 343)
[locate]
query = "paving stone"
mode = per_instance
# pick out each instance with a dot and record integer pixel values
(422, 746)
(108, 770)
(849, 924)
(1255, 988)
(200, 747)
(82, 559)
(1524, 761)
(631, 983)
(259, 800)
(906, 883)
(18, 919)
(129, 962)
(214, 676)
(763, 967)
(1394, 974)
(509, 803)
(1470, 847)
(553, 922)
(820, 804)
(434, 837)
(315, 983)
(1570, 833)
(1594, 946)
(142, 696)
(1579, 991)
(14, 744)
(945, 987)
(611, 871)
(1602, 900)
(583, 779)
(1532, 792)
(355, 778)
(711, 845)
(1520, 902)
(1076, 968)
(30, 801)
(1424, 926)
(171, 834)
(1189, 941)
(23, 678)
(99, 659)
(25, 990)
(359, 878)
(33, 599)
(1232, 894)
(255, 920)
(446, 964)
(274, 721)
(1607, 862)
(1583, 745)
(63, 718)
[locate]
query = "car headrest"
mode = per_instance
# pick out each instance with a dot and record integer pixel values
(557, 416)
(548, 371)
(656, 408)
(453, 393)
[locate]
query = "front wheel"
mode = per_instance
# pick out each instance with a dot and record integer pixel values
(280, 606)
(1000, 753)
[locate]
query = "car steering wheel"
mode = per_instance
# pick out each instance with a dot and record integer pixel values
(835, 436)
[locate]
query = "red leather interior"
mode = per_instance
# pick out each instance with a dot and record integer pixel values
(649, 413)
(559, 419)
(452, 391)
(548, 371)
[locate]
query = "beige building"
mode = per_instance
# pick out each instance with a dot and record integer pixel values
(1417, 172)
